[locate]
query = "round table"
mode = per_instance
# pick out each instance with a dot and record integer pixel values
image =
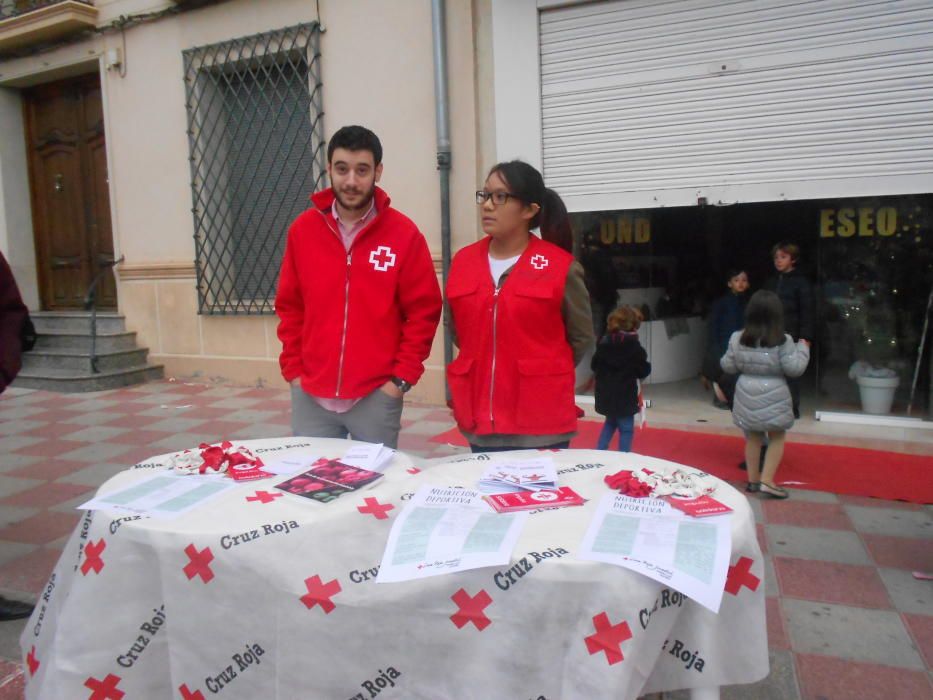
(252, 596)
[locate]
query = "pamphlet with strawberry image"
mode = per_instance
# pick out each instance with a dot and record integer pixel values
(327, 480)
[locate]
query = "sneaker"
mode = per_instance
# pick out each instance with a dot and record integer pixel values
(773, 491)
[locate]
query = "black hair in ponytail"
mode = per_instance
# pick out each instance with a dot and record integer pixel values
(527, 184)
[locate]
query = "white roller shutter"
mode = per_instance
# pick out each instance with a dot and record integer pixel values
(651, 103)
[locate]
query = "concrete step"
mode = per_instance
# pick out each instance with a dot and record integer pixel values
(78, 322)
(81, 342)
(66, 381)
(79, 361)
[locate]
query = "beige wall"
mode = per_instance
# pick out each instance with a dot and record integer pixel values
(377, 71)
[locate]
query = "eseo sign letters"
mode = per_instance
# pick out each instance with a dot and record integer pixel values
(862, 221)
(625, 229)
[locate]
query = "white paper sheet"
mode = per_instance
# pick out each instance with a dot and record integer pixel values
(374, 457)
(287, 466)
(509, 476)
(164, 495)
(647, 535)
(443, 530)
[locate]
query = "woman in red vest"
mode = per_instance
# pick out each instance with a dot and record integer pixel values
(521, 317)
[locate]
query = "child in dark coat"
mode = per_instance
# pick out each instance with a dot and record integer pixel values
(619, 362)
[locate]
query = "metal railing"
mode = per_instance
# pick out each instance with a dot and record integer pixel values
(90, 304)
(14, 8)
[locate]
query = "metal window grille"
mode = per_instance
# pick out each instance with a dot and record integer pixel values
(256, 141)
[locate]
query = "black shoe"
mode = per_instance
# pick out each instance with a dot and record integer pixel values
(796, 412)
(743, 466)
(721, 404)
(753, 487)
(14, 609)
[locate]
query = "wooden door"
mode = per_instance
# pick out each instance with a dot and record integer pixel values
(70, 195)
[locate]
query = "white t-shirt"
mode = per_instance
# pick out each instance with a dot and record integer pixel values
(497, 267)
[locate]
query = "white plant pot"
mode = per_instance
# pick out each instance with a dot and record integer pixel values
(877, 393)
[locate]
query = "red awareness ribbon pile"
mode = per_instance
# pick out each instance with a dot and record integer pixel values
(238, 462)
(628, 484)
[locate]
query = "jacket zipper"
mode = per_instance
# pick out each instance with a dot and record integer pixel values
(346, 315)
(492, 378)
(346, 294)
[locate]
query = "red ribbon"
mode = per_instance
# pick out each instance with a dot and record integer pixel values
(216, 457)
(628, 484)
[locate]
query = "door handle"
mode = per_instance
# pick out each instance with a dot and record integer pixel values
(73, 261)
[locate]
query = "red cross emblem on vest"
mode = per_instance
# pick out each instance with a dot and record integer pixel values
(382, 258)
(539, 262)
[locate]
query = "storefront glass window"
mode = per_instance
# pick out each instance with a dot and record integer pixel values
(869, 262)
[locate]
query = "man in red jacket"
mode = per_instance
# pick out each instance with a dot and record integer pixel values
(358, 301)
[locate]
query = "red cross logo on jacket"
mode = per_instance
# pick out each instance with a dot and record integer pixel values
(539, 262)
(382, 258)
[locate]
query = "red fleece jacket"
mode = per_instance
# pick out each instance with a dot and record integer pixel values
(351, 320)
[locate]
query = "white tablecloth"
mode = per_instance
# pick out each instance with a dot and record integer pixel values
(246, 598)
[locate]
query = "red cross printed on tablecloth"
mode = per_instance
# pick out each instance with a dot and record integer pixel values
(471, 609)
(199, 564)
(382, 258)
(413, 470)
(32, 662)
(375, 508)
(188, 695)
(92, 560)
(608, 638)
(105, 689)
(320, 593)
(741, 575)
(539, 262)
(264, 497)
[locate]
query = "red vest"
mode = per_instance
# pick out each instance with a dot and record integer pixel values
(514, 374)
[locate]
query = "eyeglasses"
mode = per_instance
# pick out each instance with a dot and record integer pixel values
(498, 198)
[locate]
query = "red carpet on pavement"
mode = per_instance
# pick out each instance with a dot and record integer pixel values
(841, 470)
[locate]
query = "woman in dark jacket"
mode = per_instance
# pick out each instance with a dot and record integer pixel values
(13, 314)
(619, 362)
(727, 315)
(796, 295)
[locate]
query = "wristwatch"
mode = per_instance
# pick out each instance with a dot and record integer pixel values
(401, 384)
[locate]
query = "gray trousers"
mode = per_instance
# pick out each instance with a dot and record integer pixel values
(375, 418)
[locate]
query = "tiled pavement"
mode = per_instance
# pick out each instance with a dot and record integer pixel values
(846, 617)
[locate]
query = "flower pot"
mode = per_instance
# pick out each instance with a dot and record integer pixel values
(877, 393)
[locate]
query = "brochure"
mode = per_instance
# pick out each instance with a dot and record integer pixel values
(519, 475)
(699, 507)
(443, 530)
(529, 500)
(327, 480)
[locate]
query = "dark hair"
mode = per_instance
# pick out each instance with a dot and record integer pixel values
(355, 138)
(526, 184)
(735, 272)
(625, 318)
(764, 321)
(792, 249)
